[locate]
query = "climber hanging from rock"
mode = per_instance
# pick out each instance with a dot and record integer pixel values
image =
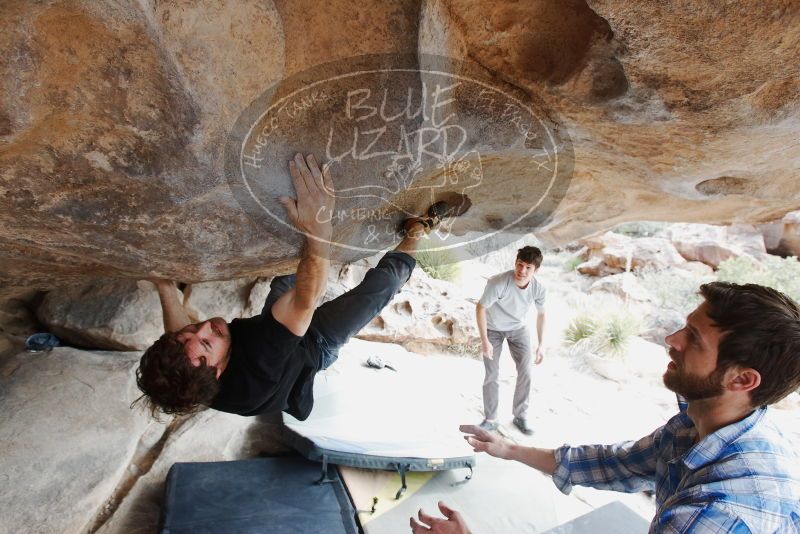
(267, 363)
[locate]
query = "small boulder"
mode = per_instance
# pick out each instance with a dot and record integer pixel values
(612, 253)
(601, 241)
(227, 299)
(712, 245)
(647, 252)
(257, 297)
(595, 267)
(114, 315)
(623, 285)
(789, 244)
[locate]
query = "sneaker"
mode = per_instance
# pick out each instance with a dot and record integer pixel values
(488, 426)
(522, 425)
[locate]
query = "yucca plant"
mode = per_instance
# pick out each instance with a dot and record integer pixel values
(439, 264)
(609, 334)
(617, 333)
(582, 326)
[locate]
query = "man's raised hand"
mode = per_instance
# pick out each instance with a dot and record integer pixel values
(311, 212)
(453, 524)
(482, 441)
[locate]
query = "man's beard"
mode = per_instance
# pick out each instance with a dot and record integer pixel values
(693, 387)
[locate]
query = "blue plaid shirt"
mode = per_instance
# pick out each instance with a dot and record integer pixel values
(744, 477)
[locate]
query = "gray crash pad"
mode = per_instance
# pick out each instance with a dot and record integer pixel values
(275, 495)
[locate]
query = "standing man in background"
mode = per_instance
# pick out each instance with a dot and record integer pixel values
(501, 315)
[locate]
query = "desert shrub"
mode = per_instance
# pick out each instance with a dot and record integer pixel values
(618, 331)
(572, 263)
(581, 327)
(607, 335)
(778, 273)
(467, 350)
(439, 264)
(641, 228)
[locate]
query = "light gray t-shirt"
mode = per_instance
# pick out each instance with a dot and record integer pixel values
(506, 304)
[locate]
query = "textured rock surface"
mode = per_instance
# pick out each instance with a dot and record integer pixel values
(6, 345)
(426, 315)
(67, 433)
(697, 267)
(612, 253)
(74, 452)
(663, 323)
(208, 437)
(17, 317)
(623, 285)
(218, 299)
(257, 297)
(115, 315)
(783, 237)
(113, 118)
(714, 244)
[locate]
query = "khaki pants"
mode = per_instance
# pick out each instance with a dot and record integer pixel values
(519, 343)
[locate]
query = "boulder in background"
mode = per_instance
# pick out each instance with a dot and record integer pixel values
(612, 253)
(227, 299)
(111, 314)
(712, 244)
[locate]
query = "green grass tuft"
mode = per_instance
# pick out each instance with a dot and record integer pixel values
(583, 326)
(609, 335)
(439, 264)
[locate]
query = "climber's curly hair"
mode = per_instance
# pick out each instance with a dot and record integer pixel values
(170, 383)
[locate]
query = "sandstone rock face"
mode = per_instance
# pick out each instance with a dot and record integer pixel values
(126, 315)
(77, 458)
(218, 299)
(115, 315)
(426, 315)
(115, 115)
(594, 267)
(6, 345)
(623, 285)
(611, 253)
(714, 244)
(210, 436)
(16, 315)
(783, 237)
(67, 433)
(257, 297)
